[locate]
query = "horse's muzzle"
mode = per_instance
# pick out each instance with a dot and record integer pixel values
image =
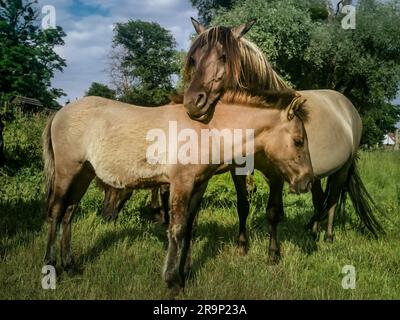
(302, 185)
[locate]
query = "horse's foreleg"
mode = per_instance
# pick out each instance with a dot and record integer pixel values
(180, 199)
(274, 215)
(194, 206)
(242, 209)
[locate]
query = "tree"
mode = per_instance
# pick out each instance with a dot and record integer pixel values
(313, 52)
(2, 156)
(207, 8)
(100, 90)
(27, 57)
(145, 60)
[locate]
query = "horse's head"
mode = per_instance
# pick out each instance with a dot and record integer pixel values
(286, 146)
(213, 65)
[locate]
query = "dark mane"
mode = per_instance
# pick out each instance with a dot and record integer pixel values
(247, 66)
(209, 39)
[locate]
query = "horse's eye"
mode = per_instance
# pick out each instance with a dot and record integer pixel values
(192, 61)
(299, 142)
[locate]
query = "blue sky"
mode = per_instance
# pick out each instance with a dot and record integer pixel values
(89, 28)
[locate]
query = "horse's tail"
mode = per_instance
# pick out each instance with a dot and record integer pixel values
(48, 158)
(363, 203)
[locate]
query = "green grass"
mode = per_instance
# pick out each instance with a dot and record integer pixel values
(124, 260)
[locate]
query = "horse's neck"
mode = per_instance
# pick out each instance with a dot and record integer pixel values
(235, 116)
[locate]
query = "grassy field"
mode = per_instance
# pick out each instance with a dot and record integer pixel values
(124, 260)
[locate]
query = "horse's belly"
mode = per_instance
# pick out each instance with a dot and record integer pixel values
(125, 168)
(328, 154)
(331, 134)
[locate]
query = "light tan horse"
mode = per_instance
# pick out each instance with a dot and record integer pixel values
(108, 139)
(220, 59)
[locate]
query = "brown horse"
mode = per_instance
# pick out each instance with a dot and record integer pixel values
(115, 146)
(221, 60)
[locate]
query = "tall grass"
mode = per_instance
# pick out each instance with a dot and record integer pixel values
(124, 260)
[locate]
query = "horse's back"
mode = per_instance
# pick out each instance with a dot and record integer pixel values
(334, 130)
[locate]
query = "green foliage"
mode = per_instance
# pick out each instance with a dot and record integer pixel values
(27, 57)
(22, 139)
(100, 90)
(311, 52)
(149, 60)
(207, 8)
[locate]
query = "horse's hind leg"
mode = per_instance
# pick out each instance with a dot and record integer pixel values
(61, 206)
(76, 191)
(318, 202)
(154, 203)
(243, 210)
(336, 183)
(164, 193)
(66, 257)
(114, 201)
(56, 210)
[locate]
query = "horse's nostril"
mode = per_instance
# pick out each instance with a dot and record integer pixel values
(201, 99)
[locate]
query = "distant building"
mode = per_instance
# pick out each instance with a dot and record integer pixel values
(389, 140)
(26, 103)
(30, 104)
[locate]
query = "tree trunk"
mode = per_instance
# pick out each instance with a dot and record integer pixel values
(329, 9)
(2, 156)
(341, 4)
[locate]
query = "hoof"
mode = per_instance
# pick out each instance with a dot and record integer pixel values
(274, 257)
(109, 217)
(315, 235)
(174, 282)
(329, 238)
(242, 248)
(50, 262)
(71, 269)
(175, 292)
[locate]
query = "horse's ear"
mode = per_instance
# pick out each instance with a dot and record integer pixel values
(241, 30)
(295, 106)
(198, 26)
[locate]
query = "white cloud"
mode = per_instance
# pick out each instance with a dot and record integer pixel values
(89, 37)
